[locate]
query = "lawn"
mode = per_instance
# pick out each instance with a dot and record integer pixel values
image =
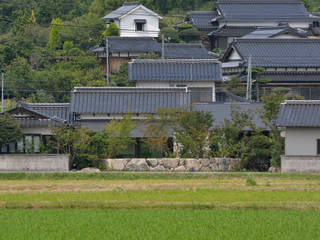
(158, 224)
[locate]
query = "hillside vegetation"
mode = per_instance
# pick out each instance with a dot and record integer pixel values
(44, 44)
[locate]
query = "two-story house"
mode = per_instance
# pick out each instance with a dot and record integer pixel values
(199, 76)
(135, 20)
(236, 18)
(288, 63)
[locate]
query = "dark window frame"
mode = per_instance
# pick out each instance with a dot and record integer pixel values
(139, 27)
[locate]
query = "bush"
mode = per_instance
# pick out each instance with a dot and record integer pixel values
(250, 181)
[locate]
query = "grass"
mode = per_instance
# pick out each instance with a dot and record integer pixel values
(159, 206)
(137, 176)
(158, 224)
(171, 191)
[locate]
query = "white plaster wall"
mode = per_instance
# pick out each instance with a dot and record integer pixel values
(38, 130)
(128, 26)
(178, 84)
(301, 141)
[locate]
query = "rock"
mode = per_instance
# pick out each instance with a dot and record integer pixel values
(90, 170)
(170, 162)
(274, 169)
(205, 162)
(152, 162)
(205, 169)
(214, 165)
(192, 165)
(118, 164)
(180, 169)
(223, 164)
(137, 164)
(158, 168)
(108, 164)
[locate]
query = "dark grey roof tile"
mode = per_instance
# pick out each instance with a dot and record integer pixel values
(186, 51)
(222, 111)
(184, 70)
(263, 10)
(118, 100)
(303, 113)
(278, 52)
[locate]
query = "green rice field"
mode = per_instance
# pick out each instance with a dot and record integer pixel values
(159, 224)
(159, 206)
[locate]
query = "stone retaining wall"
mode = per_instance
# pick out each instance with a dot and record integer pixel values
(34, 162)
(300, 164)
(173, 164)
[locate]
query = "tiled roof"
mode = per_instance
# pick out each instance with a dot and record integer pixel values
(124, 9)
(145, 44)
(202, 20)
(270, 32)
(183, 70)
(299, 114)
(186, 51)
(289, 77)
(233, 31)
(133, 44)
(278, 52)
(293, 77)
(222, 111)
(56, 111)
(119, 100)
(263, 10)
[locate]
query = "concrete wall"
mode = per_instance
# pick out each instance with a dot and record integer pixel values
(301, 141)
(34, 162)
(174, 164)
(300, 164)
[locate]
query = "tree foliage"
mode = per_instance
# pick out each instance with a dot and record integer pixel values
(112, 30)
(55, 38)
(10, 131)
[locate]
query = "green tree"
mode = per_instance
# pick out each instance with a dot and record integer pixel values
(170, 34)
(269, 115)
(117, 135)
(112, 30)
(191, 130)
(55, 38)
(10, 131)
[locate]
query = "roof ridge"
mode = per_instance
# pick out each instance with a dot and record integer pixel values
(301, 102)
(184, 61)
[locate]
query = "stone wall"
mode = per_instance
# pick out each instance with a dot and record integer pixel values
(173, 164)
(300, 164)
(34, 163)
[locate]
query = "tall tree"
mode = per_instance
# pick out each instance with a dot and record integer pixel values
(10, 131)
(55, 39)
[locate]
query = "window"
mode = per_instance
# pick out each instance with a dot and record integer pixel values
(318, 146)
(140, 24)
(139, 27)
(201, 94)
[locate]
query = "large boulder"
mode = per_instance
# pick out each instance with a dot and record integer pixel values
(119, 164)
(180, 169)
(137, 164)
(90, 170)
(152, 162)
(170, 163)
(192, 165)
(205, 162)
(108, 164)
(158, 168)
